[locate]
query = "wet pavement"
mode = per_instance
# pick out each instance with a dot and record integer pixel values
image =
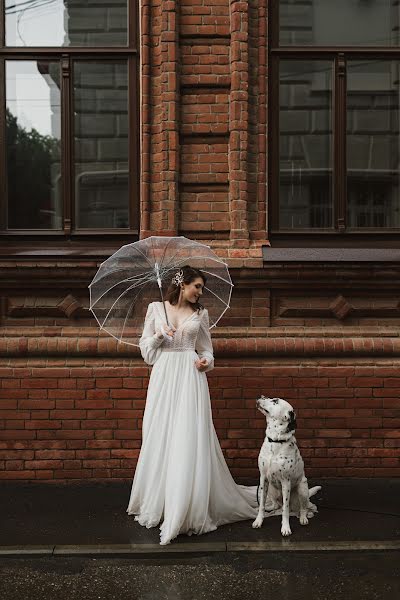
(227, 576)
(91, 518)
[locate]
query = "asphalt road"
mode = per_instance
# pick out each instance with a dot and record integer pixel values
(222, 576)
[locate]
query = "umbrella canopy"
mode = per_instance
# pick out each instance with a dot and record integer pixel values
(140, 273)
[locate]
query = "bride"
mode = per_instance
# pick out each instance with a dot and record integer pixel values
(181, 478)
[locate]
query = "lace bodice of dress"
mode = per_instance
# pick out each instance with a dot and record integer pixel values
(185, 336)
(192, 335)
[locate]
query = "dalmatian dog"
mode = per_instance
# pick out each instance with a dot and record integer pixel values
(283, 486)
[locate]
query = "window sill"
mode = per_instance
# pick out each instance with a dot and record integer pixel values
(318, 254)
(92, 247)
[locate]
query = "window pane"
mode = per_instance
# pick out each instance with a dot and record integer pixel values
(66, 23)
(373, 152)
(101, 144)
(339, 22)
(33, 144)
(305, 151)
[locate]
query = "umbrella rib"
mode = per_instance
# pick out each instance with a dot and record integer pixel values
(113, 256)
(119, 297)
(224, 311)
(152, 248)
(216, 295)
(144, 256)
(95, 316)
(228, 281)
(220, 317)
(208, 272)
(126, 318)
(116, 271)
(192, 243)
(217, 260)
(166, 271)
(144, 279)
(130, 278)
(118, 340)
(165, 250)
(219, 277)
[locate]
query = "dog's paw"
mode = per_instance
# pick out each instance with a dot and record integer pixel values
(285, 529)
(303, 520)
(257, 523)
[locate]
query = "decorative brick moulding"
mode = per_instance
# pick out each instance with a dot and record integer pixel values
(235, 344)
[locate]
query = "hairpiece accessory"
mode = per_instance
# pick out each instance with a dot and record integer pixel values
(178, 278)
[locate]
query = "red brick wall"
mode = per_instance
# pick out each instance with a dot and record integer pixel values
(324, 337)
(81, 419)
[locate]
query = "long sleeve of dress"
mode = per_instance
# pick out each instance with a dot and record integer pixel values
(149, 343)
(203, 343)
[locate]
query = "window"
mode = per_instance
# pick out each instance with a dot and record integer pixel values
(334, 115)
(68, 117)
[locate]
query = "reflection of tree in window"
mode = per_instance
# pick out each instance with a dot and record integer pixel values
(33, 146)
(30, 157)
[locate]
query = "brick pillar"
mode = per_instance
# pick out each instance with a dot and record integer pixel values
(238, 120)
(262, 41)
(145, 162)
(164, 128)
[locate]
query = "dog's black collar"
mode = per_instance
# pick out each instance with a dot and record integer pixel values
(277, 441)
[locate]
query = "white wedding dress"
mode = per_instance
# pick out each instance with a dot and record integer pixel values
(181, 478)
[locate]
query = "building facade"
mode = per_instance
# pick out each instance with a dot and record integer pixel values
(269, 130)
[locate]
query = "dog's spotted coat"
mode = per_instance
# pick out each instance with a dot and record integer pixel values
(283, 485)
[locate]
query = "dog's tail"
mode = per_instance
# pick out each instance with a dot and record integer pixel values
(312, 491)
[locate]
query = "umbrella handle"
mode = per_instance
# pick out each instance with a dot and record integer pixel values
(165, 310)
(157, 270)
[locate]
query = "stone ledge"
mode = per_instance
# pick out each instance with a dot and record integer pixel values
(297, 331)
(287, 347)
(142, 549)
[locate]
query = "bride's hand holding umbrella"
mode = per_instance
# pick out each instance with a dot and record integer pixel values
(167, 332)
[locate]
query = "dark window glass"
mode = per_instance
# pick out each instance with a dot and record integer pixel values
(373, 151)
(101, 144)
(339, 23)
(33, 130)
(305, 147)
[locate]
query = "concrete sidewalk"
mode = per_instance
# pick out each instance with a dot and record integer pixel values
(90, 519)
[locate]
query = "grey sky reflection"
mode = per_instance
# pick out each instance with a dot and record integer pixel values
(33, 97)
(36, 23)
(62, 23)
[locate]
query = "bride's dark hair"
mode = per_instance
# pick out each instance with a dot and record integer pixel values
(189, 275)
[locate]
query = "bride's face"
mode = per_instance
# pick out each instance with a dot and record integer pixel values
(193, 291)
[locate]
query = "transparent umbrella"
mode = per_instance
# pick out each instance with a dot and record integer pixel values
(140, 273)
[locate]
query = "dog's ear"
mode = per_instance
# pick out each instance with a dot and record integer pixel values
(292, 421)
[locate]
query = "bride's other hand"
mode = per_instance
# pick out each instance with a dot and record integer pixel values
(201, 364)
